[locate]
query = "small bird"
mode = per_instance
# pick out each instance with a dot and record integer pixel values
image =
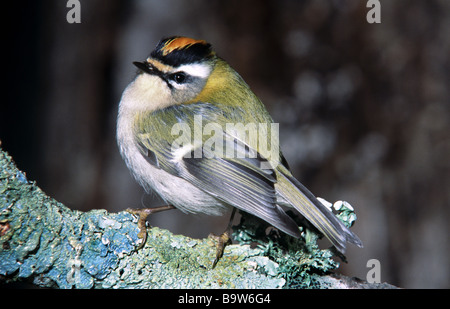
(190, 129)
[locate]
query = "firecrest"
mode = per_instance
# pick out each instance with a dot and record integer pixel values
(190, 129)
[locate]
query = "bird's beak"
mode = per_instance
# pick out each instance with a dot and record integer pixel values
(145, 67)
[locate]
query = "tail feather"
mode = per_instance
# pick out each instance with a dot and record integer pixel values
(315, 212)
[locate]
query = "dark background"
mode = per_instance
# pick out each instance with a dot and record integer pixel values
(364, 109)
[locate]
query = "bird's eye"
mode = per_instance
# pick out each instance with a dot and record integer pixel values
(178, 77)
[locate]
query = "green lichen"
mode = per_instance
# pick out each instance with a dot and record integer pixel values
(175, 261)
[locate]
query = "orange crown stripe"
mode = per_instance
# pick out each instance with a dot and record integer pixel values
(179, 43)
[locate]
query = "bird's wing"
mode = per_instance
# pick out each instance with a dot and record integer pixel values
(299, 197)
(241, 180)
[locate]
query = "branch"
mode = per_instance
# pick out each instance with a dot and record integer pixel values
(44, 242)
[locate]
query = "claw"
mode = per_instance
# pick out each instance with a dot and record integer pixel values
(222, 241)
(143, 214)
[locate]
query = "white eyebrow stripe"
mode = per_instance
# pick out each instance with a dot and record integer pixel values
(196, 69)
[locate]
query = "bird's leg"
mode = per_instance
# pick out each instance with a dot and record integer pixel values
(143, 215)
(223, 240)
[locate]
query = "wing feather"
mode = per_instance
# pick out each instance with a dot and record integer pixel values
(237, 180)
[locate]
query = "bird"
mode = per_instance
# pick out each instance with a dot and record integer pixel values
(190, 129)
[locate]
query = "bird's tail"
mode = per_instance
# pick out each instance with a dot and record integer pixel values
(315, 212)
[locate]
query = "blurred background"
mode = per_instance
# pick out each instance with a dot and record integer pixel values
(364, 109)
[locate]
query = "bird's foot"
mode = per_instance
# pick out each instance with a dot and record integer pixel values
(222, 241)
(143, 214)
